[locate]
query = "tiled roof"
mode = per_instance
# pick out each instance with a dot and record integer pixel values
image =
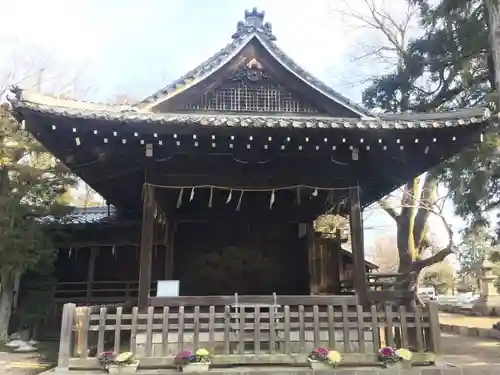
(252, 28)
(89, 215)
(403, 121)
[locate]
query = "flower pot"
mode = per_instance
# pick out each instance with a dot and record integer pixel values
(196, 367)
(123, 369)
(319, 365)
(402, 364)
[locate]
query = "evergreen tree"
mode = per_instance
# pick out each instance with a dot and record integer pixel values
(30, 183)
(455, 54)
(425, 79)
(476, 246)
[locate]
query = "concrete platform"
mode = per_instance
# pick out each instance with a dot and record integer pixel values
(481, 370)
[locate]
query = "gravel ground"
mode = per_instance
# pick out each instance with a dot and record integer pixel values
(468, 321)
(22, 364)
(28, 363)
(469, 351)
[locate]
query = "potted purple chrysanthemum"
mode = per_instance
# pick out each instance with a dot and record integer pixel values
(188, 361)
(318, 359)
(390, 357)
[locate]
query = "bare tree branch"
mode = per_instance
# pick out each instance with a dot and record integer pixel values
(385, 253)
(387, 207)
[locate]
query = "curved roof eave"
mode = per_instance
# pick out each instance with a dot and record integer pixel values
(126, 115)
(196, 75)
(309, 79)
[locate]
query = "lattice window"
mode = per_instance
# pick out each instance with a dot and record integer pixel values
(247, 92)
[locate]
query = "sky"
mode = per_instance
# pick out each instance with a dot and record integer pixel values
(131, 47)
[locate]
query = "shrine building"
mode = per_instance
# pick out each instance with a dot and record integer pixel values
(216, 179)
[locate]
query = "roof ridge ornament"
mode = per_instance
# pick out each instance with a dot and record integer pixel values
(254, 22)
(15, 93)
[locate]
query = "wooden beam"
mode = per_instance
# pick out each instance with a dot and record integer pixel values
(255, 163)
(254, 206)
(282, 300)
(146, 246)
(357, 242)
(252, 181)
(241, 216)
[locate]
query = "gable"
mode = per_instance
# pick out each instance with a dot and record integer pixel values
(223, 84)
(251, 89)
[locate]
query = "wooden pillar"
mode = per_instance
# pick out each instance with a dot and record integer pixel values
(311, 257)
(324, 275)
(169, 249)
(94, 252)
(66, 340)
(357, 243)
(315, 261)
(324, 251)
(336, 260)
(147, 240)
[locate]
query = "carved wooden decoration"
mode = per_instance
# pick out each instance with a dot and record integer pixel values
(252, 89)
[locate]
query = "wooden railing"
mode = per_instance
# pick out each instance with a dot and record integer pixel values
(382, 281)
(254, 329)
(375, 282)
(98, 291)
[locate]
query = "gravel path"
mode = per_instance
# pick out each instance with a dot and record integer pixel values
(469, 351)
(21, 363)
(468, 321)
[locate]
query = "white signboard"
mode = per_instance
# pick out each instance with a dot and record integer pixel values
(167, 288)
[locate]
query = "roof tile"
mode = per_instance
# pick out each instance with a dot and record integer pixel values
(245, 120)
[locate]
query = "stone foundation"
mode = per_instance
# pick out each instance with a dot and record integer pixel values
(482, 370)
(476, 370)
(471, 331)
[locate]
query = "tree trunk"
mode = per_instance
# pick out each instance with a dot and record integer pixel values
(409, 286)
(6, 300)
(493, 20)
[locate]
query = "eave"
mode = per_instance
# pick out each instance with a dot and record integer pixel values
(174, 135)
(113, 146)
(112, 116)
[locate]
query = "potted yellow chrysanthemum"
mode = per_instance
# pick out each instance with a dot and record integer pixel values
(334, 358)
(323, 359)
(404, 356)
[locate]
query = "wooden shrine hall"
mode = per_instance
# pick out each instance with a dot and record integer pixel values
(229, 166)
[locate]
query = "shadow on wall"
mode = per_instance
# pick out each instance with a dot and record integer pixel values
(240, 258)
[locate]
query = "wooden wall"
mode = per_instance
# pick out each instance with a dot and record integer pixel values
(211, 258)
(240, 257)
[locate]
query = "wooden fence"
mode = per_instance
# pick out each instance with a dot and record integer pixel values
(245, 330)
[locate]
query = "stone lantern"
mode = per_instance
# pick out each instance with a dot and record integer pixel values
(488, 302)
